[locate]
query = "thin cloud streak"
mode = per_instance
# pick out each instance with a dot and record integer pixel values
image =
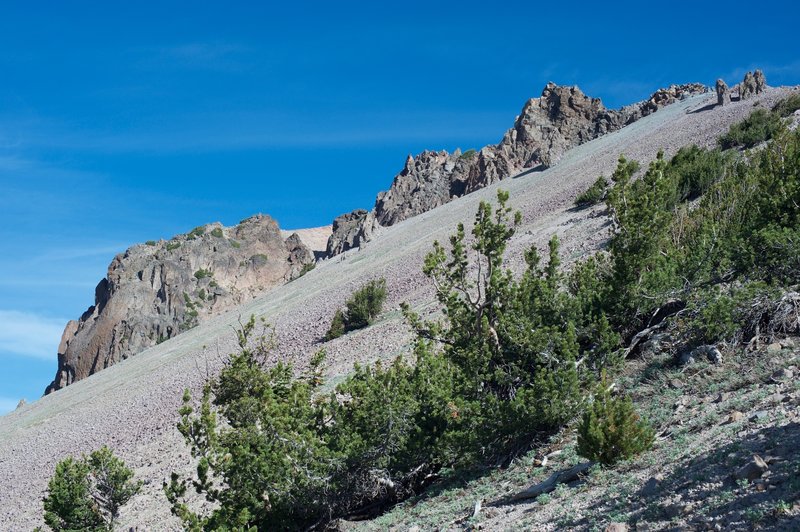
(30, 335)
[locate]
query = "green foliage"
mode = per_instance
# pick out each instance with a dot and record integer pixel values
(337, 327)
(787, 106)
(202, 273)
(269, 453)
(760, 126)
(173, 245)
(611, 430)
(592, 195)
(197, 232)
(150, 243)
(361, 309)
(234, 243)
(695, 170)
(87, 494)
(217, 232)
(468, 155)
(365, 304)
(513, 344)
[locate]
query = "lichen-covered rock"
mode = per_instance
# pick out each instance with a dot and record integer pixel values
(155, 291)
(546, 128)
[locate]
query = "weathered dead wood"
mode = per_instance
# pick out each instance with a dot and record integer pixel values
(559, 477)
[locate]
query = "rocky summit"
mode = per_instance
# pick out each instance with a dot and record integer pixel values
(156, 290)
(547, 127)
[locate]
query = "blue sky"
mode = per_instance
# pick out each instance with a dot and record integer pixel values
(124, 123)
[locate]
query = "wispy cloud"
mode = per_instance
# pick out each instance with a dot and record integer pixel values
(30, 335)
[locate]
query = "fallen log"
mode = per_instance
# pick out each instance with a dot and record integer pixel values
(559, 477)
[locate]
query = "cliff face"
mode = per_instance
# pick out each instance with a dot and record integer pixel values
(157, 290)
(546, 128)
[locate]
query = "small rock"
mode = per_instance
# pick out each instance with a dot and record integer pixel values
(721, 398)
(414, 528)
(675, 383)
(783, 374)
(617, 527)
(788, 343)
(760, 415)
(735, 416)
(774, 348)
(651, 486)
(752, 470)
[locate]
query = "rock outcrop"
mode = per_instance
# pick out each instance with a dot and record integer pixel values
(156, 290)
(723, 92)
(752, 84)
(560, 119)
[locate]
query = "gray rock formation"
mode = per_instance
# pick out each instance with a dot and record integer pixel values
(761, 81)
(560, 119)
(155, 291)
(747, 88)
(723, 92)
(350, 231)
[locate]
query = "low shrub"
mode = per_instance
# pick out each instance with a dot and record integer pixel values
(173, 245)
(216, 232)
(197, 231)
(361, 309)
(788, 105)
(468, 155)
(611, 430)
(150, 243)
(202, 273)
(760, 126)
(592, 195)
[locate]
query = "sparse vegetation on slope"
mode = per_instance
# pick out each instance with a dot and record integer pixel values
(361, 309)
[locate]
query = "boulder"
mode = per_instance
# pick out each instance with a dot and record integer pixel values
(753, 469)
(723, 92)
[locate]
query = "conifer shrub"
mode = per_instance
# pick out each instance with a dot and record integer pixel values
(592, 195)
(788, 105)
(361, 309)
(611, 430)
(760, 126)
(337, 327)
(87, 493)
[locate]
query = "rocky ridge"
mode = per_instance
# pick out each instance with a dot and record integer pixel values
(156, 290)
(547, 127)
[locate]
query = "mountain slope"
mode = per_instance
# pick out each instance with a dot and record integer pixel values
(132, 405)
